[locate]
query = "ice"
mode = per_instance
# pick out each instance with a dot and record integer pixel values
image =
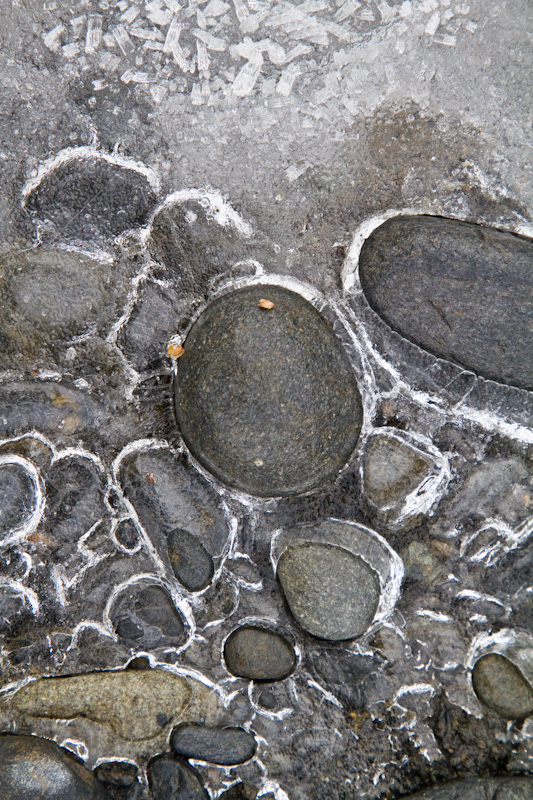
(157, 46)
(180, 58)
(286, 82)
(248, 49)
(142, 77)
(367, 15)
(173, 5)
(445, 38)
(100, 84)
(275, 51)
(215, 8)
(245, 81)
(130, 15)
(77, 22)
(471, 26)
(433, 23)
(211, 42)
(126, 76)
(295, 171)
(201, 19)
(94, 33)
(251, 23)
(173, 35)
(158, 92)
(347, 8)
(50, 6)
(297, 51)
(71, 50)
(52, 38)
(160, 16)
(338, 31)
(153, 35)
(123, 40)
(203, 58)
(240, 10)
(196, 96)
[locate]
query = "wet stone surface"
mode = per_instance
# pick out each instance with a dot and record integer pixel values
(173, 779)
(502, 789)
(190, 561)
(259, 654)
(223, 746)
(17, 496)
(462, 291)
(391, 470)
(266, 399)
(501, 686)
(33, 768)
(332, 593)
(146, 617)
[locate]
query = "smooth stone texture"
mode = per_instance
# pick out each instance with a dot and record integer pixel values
(259, 654)
(172, 779)
(267, 400)
(479, 789)
(190, 561)
(145, 616)
(502, 687)
(117, 773)
(242, 791)
(332, 593)
(464, 292)
(225, 746)
(391, 470)
(17, 496)
(132, 703)
(37, 769)
(86, 198)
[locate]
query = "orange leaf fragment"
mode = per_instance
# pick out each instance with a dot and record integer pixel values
(268, 304)
(175, 351)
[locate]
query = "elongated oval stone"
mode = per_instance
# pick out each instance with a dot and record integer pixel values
(225, 746)
(258, 654)
(464, 292)
(501, 686)
(331, 592)
(266, 398)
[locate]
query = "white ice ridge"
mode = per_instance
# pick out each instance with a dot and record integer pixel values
(215, 204)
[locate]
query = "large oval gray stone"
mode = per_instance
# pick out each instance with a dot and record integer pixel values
(259, 654)
(266, 399)
(225, 746)
(37, 769)
(463, 292)
(331, 592)
(501, 686)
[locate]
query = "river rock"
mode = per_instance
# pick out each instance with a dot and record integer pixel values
(462, 291)
(332, 593)
(266, 399)
(391, 470)
(502, 687)
(259, 654)
(17, 494)
(173, 779)
(37, 769)
(479, 789)
(145, 616)
(225, 746)
(137, 705)
(190, 561)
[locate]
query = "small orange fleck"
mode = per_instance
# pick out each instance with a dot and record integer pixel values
(150, 477)
(175, 351)
(268, 304)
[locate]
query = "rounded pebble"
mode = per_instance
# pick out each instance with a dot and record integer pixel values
(225, 746)
(267, 400)
(146, 616)
(190, 561)
(37, 769)
(17, 496)
(502, 687)
(332, 593)
(259, 654)
(173, 779)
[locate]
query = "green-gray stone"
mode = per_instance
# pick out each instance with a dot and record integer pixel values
(332, 593)
(266, 399)
(259, 654)
(501, 686)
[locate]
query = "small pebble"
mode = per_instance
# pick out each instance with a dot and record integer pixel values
(259, 654)
(225, 746)
(502, 687)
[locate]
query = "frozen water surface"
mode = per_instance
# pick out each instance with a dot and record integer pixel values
(162, 626)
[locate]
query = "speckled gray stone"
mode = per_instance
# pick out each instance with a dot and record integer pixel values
(37, 769)
(331, 592)
(259, 654)
(190, 561)
(225, 746)
(462, 291)
(480, 789)
(391, 470)
(501, 686)
(17, 496)
(267, 400)
(173, 779)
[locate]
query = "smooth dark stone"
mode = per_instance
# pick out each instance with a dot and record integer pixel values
(147, 617)
(224, 746)
(267, 400)
(117, 773)
(480, 789)
(173, 779)
(242, 791)
(192, 564)
(501, 686)
(464, 292)
(37, 769)
(259, 654)
(90, 197)
(17, 496)
(332, 593)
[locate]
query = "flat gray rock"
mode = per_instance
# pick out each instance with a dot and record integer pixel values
(464, 292)
(391, 470)
(259, 654)
(501, 686)
(37, 769)
(332, 593)
(225, 746)
(266, 399)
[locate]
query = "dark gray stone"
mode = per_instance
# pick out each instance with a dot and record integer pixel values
(192, 564)
(391, 470)
(172, 779)
(462, 291)
(37, 769)
(480, 789)
(267, 400)
(501, 686)
(225, 746)
(119, 774)
(242, 791)
(259, 654)
(332, 593)
(146, 617)
(17, 496)
(89, 198)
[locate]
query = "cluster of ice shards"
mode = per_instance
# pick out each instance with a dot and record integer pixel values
(209, 49)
